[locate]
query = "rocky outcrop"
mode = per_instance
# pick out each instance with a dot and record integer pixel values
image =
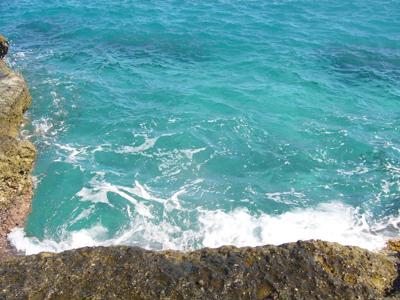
(3, 46)
(302, 270)
(16, 156)
(14, 101)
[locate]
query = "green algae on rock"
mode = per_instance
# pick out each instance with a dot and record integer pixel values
(302, 270)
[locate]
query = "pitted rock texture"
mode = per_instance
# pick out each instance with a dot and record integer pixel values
(14, 100)
(16, 157)
(302, 270)
(16, 163)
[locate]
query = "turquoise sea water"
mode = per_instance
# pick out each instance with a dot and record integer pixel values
(184, 124)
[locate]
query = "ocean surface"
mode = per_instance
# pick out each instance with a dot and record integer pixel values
(189, 124)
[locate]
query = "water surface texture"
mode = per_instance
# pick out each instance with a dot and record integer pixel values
(185, 124)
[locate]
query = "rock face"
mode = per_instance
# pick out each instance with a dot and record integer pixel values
(14, 101)
(3, 46)
(16, 163)
(302, 270)
(16, 157)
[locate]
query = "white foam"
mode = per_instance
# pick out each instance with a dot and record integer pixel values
(42, 126)
(77, 239)
(83, 215)
(190, 152)
(72, 153)
(334, 222)
(357, 170)
(98, 192)
(146, 145)
(141, 191)
(281, 197)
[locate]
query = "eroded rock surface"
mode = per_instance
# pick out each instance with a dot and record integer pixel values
(14, 100)
(302, 270)
(16, 157)
(16, 163)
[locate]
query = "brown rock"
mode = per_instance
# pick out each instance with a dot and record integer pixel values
(302, 270)
(14, 101)
(16, 163)
(16, 156)
(3, 46)
(393, 245)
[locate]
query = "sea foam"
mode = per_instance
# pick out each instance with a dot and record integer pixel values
(333, 222)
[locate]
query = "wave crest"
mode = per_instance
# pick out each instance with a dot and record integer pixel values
(333, 222)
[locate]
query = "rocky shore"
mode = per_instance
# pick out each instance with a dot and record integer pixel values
(16, 156)
(302, 270)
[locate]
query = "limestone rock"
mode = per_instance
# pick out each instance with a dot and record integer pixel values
(14, 100)
(16, 163)
(302, 270)
(16, 156)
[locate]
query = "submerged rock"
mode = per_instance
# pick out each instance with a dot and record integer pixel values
(302, 270)
(3, 46)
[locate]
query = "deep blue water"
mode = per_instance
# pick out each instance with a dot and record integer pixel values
(183, 124)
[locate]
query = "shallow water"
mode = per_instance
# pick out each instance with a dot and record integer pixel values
(179, 124)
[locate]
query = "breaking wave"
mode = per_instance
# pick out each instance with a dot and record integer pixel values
(333, 222)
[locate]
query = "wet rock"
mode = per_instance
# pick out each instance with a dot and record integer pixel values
(302, 270)
(3, 46)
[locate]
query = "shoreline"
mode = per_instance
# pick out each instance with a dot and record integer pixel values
(301, 270)
(16, 156)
